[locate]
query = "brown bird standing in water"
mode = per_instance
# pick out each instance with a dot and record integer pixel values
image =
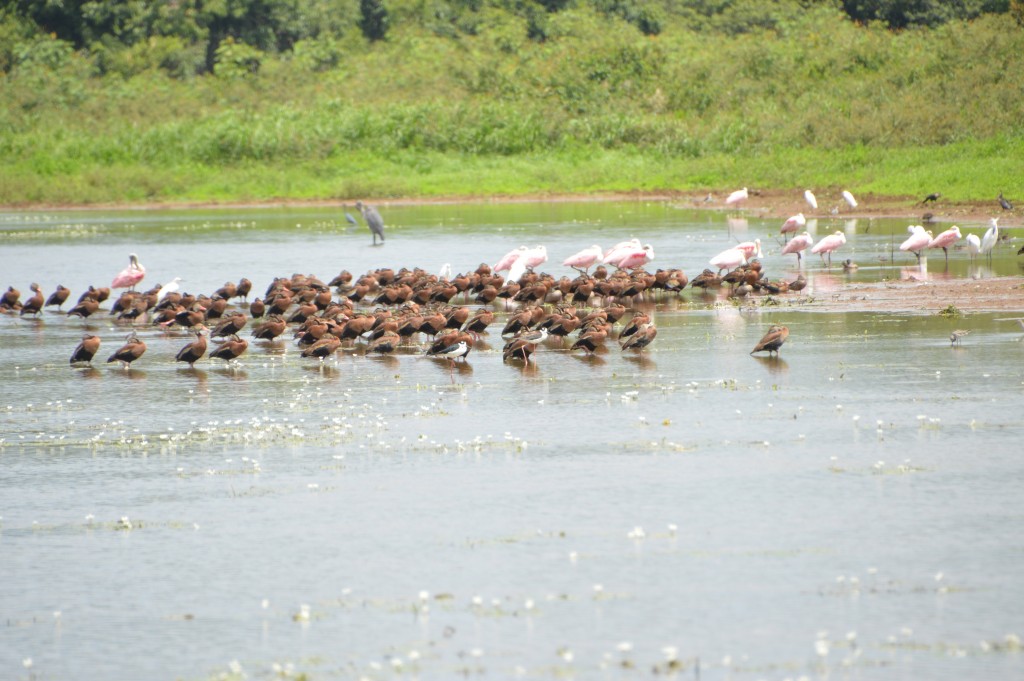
(323, 348)
(772, 340)
(195, 350)
(59, 296)
(129, 352)
(33, 305)
(86, 350)
(643, 337)
(85, 307)
(231, 349)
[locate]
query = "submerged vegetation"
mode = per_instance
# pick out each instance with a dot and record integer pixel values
(259, 99)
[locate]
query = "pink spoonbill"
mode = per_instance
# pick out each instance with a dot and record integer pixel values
(584, 259)
(636, 258)
(615, 252)
(794, 223)
(729, 259)
(830, 243)
(798, 244)
(752, 249)
(131, 275)
(509, 258)
(917, 241)
(737, 196)
(946, 239)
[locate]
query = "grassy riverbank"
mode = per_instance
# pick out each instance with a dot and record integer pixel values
(596, 107)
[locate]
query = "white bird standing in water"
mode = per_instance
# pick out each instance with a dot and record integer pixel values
(988, 242)
(848, 197)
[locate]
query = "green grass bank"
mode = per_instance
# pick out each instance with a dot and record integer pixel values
(597, 106)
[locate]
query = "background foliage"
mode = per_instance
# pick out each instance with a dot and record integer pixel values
(125, 99)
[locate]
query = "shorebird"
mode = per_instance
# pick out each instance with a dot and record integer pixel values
(954, 338)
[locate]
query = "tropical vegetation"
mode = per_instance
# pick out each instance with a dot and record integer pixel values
(228, 100)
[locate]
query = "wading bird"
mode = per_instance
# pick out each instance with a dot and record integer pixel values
(373, 220)
(793, 224)
(988, 242)
(195, 350)
(931, 198)
(946, 239)
(737, 196)
(772, 340)
(828, 245)
(798, 244)
(810, 199)
(917, 241)
(584, 259)
(1006, 205)
(131, 275)
(848, 197)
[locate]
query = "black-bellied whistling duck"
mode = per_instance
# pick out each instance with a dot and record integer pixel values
(84, 308)
(272, 327)
(33, 305)
(230, 325)
(772, 340)
(129, 352)
(643, 337)
(195, 350)
(456, 317)
(433, 324)
(523, 345)
(385, 344)
(638, 320)
(323, 348)
(9, 299)
(257, 308)
(479, 322)
(593, 338)
(216, 308)
(59, 296)
(124, 302)
(97, 294)
(615, 312)
(231, 349)
(191, 317)
(86, 350)
(228, 291)
(243, 288)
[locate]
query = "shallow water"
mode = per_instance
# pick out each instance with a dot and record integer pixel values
(850, 509)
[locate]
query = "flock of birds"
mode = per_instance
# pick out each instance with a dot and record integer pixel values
(385, 309)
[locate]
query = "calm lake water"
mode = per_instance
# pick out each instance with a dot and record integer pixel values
(851, 510)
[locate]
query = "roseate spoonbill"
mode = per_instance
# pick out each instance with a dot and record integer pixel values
(946, 239)
(195, 350)
(829, 244)
(848, 197)
(131, 275)
(798, 244)
(59, 296)
(615, 252)
(636, 258)
(373, 220)
(917, 241)
(772, 340)
(932, 198)
(810, 199)
(1006, 205)
(752, 249)
(728, 259)
(794, 223)
(988, 242)
(129, 352)
(737, 196)
(585, 259)
(533, 257)
(86, 350)
(509, 258)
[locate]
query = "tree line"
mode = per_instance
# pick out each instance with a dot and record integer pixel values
(190, 37)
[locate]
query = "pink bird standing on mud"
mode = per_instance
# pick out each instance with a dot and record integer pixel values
(830, 243)
(131, 275)
(946, 239)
